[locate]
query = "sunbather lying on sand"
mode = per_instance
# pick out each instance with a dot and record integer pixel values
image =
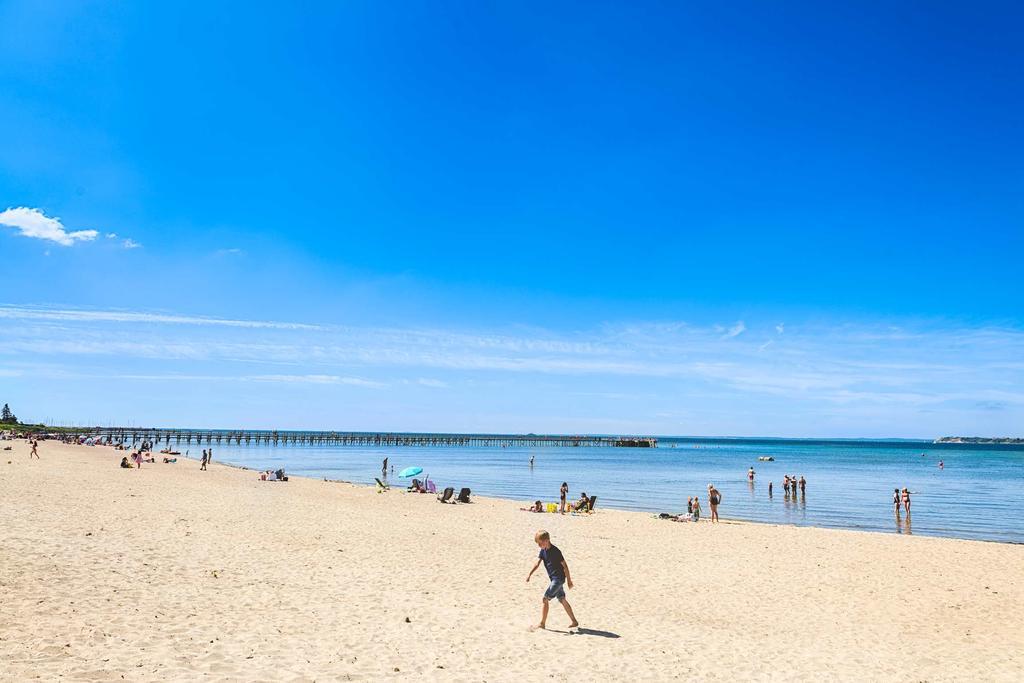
(537, 507)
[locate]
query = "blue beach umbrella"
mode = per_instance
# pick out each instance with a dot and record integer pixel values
(410, 472)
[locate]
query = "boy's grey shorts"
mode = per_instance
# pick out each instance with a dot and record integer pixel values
(555, 590)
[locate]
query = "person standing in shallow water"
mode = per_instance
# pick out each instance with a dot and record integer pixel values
(384, 469)
(714, 498)
(803, 485)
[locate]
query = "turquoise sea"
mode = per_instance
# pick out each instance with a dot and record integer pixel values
(979, 494)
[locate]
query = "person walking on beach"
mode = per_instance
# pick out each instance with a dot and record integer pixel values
(563, 492)
(714, 498)
(206, 459)
(35, 450)
(384, 469)
(558, 573)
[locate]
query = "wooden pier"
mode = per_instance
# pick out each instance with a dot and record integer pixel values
(157, 435)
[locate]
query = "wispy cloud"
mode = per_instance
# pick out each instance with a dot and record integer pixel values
(129, 243)
(34, 223)
(735, 331)
(780, 328)
(73, 315)
(317, 379)
(890, 369)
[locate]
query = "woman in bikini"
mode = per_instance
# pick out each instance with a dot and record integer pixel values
(564, 491)
(906, 501)
(896, 501)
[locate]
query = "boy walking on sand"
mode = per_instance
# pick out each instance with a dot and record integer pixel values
(558, 572)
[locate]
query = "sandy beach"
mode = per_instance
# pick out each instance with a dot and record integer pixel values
(171, 573)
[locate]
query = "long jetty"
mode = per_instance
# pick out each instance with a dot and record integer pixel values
(158, 435)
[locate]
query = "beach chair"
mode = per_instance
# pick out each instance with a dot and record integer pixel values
(381, 486)
(446, 497)
(593, 502)
(463, 495)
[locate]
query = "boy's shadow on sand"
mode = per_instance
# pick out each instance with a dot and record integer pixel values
(588, 632)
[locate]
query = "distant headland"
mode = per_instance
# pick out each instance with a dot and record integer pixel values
(980, 440)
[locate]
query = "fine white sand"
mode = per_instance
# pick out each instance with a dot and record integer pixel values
(172, 573)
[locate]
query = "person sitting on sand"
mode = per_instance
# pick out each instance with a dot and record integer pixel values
(125, 464)
(416, 487)
(583, 504)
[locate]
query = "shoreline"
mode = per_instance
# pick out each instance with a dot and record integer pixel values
(172, 573)
(641, 513)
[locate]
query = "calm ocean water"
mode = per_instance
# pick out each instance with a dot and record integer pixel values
(979, 494)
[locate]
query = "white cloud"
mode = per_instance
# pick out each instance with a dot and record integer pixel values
(736, 330)
(228, 252)
(780, 328)
(435, 383)
(71, 315)
(317, 379)
(111, 235)
(34, 223)
(130, 244)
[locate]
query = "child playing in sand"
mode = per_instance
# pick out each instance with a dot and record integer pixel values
(558, 572)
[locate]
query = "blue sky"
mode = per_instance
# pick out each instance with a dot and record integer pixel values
(752, 219)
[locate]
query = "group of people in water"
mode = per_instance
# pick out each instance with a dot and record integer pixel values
(790, 484)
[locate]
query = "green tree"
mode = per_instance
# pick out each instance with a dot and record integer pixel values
(7, 417)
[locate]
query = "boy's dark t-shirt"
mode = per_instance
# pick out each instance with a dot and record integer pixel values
(553, 563)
